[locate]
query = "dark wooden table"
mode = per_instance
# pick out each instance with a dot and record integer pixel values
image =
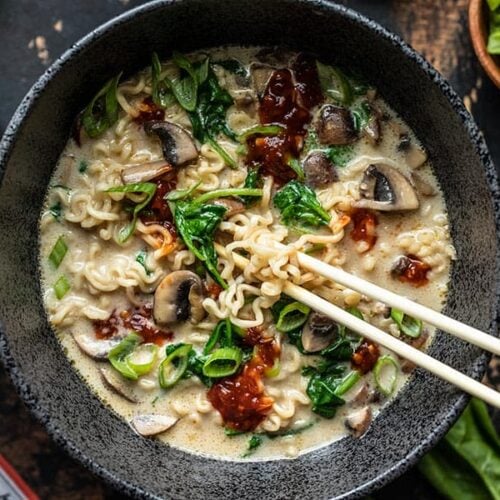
(436, 29)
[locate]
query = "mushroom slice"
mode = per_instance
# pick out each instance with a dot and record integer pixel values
(95, 348)
(415, 157)
(318, 170)
(178, 297)
(232, 207)
(384, 188)
(121, 386)
(151, 425)
(318, 333)
(335, 126)
(372, 131)
(359, 421)
(422, 185)
(132, 174)
(260, 74)
(177, 144)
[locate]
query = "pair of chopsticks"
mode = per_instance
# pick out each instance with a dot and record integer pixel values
(419, 358)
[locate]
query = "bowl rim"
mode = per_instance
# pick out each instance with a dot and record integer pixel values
(22, 114)
(478, 30)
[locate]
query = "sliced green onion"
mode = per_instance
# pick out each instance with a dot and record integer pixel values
(261, 130)
(385, 372)
(61, 287)
(295, 165)
(292, 316)
(228, 160)
(347, 383)
(118, 356)
(223, 362)
(102, 112)
(172, 368)
(58, 252)
(149, 189)
(180, 194)
(225, 193)
(407, 325)
(161, 93)
(142, 359)
(214, 337)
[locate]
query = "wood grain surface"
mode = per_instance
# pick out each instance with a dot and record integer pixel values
(436, 29)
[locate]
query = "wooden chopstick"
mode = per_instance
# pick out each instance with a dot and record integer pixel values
(445, 372)
(427, 315)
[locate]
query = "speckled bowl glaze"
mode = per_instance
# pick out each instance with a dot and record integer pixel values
(75, 418)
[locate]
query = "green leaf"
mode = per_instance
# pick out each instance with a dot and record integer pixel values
(82, 166)
(299, 206)
(233, 66)
(161, 92)
(385, 373)
(102, 112)
(296, 166)
(335, 84)
(61, 287)
(196, 225)
(406, 324)
(361, 115)
(181, 194)
(292, 316)
(494, 34)
(226, 193)
(493, 4)
(321, 390)
(290, 432)
(466, 463)
(252, 181)
(223, 362)
(119, 354)
(141, 259)
(149, 189)
(225, 334)
(58, 252)
(253, 443)
(56, 210)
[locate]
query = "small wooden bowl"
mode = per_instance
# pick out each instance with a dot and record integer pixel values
(478, 27)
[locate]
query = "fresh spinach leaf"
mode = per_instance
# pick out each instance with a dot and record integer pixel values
(161, 92)
(299, 206)
(253, 443)
(141, 259)
(252, 181)
(102, 112)
(233, 66)
(196, 225)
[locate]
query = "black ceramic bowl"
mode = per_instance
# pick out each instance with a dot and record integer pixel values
(75, 418)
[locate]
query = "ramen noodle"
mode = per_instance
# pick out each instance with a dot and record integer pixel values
(172, 224)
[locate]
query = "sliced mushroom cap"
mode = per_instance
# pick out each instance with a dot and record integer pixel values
(335, 126)
(318, 170)
(423, 187)
(384, 188)
(132, 174)
(233, 207)
(359, 421)
(178, 297)
(95, 348)
(318, 333)
(416, 157)
(360, 395)
(260, 74)
(151, 425)
(177, 144)
(120, 385)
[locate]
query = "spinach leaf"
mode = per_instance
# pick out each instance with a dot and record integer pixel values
(82, 166)
(149, 189)
(102, 112)
(321, 390)
(56, 210)
(141, 259)
(225, 334)
(233, 66)
(361, 115)
(338, 155)
(253, 443)
(208, 118)
(466, 464)
(299, 206)
(335, 84)
(161, 91)
(494, 33)
(196, 225)
(252, 181)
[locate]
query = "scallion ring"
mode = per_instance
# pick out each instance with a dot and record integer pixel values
(386, 374)
(142, 359)
(172, 368)
(292, 316)
(407, 325)
(118, 356)
(223, 362)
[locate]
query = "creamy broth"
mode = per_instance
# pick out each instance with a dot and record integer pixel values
(101, 279)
